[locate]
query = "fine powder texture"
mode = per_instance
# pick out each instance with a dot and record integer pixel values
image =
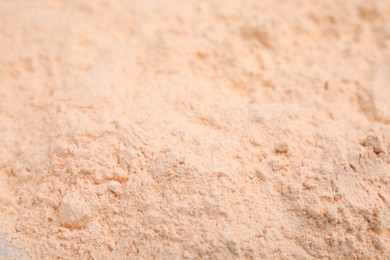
(195, 129)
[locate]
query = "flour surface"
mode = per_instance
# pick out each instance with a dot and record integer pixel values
(195, 129)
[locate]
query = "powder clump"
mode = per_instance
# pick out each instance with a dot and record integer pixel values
(373, 143)
(74, 210)
(281, 147)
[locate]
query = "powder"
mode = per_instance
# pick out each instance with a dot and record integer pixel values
(194, 129)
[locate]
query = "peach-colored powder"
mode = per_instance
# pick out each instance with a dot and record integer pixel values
(195, 129)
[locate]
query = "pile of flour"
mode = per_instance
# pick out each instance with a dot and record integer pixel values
(195, 129)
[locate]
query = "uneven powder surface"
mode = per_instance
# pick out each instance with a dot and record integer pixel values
(194, 129)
